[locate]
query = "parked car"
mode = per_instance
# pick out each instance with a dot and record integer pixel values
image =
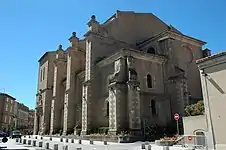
(3, 134)
(16, 134)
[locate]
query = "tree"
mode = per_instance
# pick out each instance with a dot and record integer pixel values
(195, 109)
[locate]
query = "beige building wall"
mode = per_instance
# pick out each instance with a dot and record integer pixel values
(193, 124)
(213, 73)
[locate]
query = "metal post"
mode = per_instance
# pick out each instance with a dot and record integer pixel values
(178, 132)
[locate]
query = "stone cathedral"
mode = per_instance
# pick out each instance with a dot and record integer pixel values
(131, 68)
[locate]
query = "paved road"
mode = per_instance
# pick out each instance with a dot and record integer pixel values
(96, 146)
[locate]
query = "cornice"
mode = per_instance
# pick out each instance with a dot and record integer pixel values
(212, 61)
(134, 53)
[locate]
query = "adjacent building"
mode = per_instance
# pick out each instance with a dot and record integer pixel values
(7, 112)
(14, 115)
(213, 74)
(130, 69)
(22, 117)
(31, 115)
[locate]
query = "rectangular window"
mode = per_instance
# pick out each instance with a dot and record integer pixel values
(6, 107)
(43, 77)
(5, 119)
(11, 108)
(153, 107)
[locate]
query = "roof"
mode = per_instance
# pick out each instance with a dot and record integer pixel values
(211, 57)
(173, 33)
(43, 56)
(7, 95)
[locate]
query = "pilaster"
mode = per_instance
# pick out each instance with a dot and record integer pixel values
(88, 98)
(134, 105)
(87, 90)
(35, 131)
(58, 92)
(133, 97)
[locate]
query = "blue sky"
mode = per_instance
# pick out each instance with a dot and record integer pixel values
(29, 28)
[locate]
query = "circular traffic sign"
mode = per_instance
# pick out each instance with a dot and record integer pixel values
(176, 116)
(189, 138)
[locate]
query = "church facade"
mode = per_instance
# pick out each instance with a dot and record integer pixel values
(130, 69)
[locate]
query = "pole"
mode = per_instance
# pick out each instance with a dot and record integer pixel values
(178, 132)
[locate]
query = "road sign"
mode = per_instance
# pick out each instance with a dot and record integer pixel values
(176, 116)
(189, 138)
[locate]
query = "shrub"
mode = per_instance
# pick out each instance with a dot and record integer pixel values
(195, 109)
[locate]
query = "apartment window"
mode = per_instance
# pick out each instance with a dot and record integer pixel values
(5, 119)
(11, 108)
(6, 107)
(153, 107)
(149, 81)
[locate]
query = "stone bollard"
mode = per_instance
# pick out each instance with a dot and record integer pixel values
(142, 146)
(79, 141)
(105, 143)
(50, 139)
(61, 139)
(24, 141)
(46, 145)
(66, 140)
(165, 147)
(55, 147)
(193, 148)
(149, 147)
(29, 136)
(20, 140)
(40, 144)
(34, 143)
(36, 137)
(41, 138)
(91, 142)
(65, 147)
(17, 140)
(79, 148)
(72, 140)
(29, 142)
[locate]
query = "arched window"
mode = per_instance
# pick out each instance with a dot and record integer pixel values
(153, 107)
(149, 81)
(151, 50)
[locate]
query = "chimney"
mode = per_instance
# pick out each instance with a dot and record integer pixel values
(206, 53)
(73, 40)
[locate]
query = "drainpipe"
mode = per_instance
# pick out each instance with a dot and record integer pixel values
(209, 110)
